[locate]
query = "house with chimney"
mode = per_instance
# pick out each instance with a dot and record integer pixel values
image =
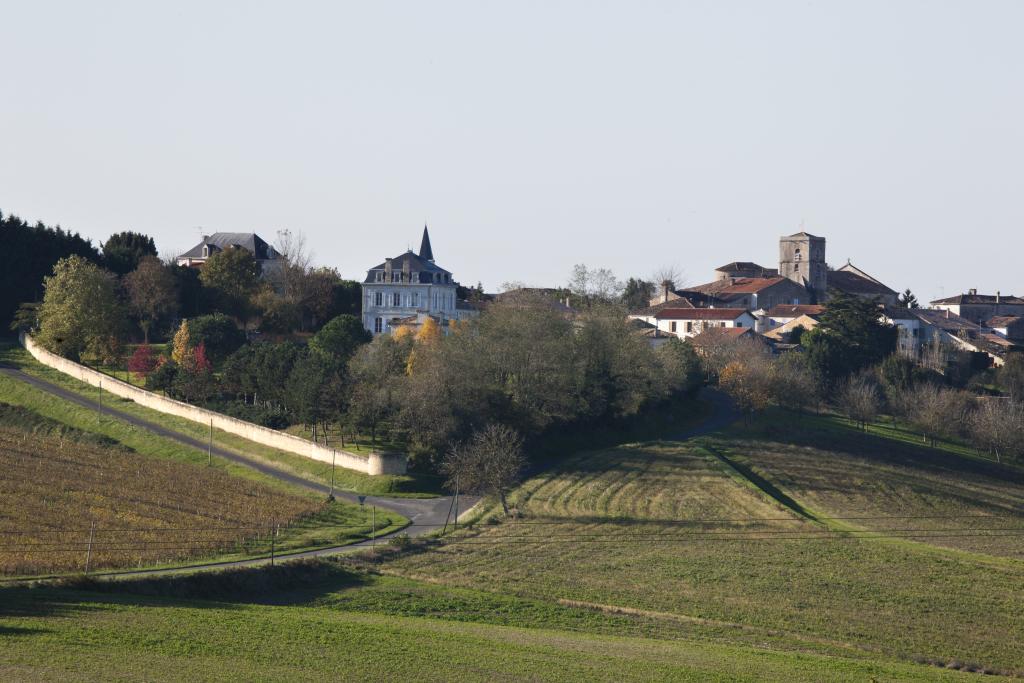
(269, 262)
(406, 289)
(979, 308)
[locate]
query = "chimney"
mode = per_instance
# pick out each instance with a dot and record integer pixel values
(972, 292)
(997, 296)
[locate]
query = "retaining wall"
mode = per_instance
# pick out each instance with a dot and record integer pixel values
(375, 463)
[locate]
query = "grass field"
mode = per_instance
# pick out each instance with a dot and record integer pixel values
(70, 497)
(672, 531)
(318, 633)
(887, 480)
(11, 391)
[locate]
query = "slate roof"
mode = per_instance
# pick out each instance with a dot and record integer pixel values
(700, 313)
(961, 299)
(220, 241)
(417, 264)
(425, 250)
(944, 320)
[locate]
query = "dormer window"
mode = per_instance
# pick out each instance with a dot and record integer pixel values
(206, 251)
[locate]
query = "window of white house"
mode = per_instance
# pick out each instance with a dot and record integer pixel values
(378, 298)
(415, 298)
(689, 326)
(721, 324)
(396, 299)
(672, 326)
(378, 325)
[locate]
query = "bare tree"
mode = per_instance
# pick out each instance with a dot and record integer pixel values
(860, 400)
(939, 412)
(490, 463)
(794, 385)
(668, 274)
(998, 427)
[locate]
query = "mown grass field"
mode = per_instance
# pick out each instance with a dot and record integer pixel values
(670, 530)
(317, 633)
(13, 391)
(69, 498)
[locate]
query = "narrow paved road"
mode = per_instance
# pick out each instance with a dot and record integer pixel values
(425, 514)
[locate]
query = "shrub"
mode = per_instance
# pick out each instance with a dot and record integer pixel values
(143, 361)
(217, 333)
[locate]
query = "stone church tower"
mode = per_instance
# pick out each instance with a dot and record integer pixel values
(802, 260)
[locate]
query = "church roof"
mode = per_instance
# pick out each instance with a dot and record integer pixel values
(852, 282)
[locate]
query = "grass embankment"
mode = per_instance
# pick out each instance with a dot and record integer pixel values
(319, 632)
(887, 481)
(70, 497)
(313, 470)
(670, 531)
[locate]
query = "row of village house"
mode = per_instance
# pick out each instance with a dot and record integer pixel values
(743, 299)
(749, 300)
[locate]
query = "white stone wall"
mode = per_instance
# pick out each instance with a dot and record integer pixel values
(375, 463)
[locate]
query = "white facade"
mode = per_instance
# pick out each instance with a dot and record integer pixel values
(686, 323)
(410, 286)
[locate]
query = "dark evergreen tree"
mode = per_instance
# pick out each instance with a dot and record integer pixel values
(30, 253)
(123, 251)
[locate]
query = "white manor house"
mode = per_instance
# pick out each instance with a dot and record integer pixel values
(406, 289)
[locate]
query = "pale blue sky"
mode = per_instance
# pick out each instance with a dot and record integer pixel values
(531, 136)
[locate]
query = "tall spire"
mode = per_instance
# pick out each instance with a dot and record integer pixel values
(425, 250)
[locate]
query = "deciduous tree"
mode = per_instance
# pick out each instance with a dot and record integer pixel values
(489, 463)
(152, 293)
(81, 312)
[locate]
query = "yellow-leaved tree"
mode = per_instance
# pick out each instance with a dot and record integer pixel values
(181, 349)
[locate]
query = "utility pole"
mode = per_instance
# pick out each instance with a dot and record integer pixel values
(99, 401)
(273, 544)
(88, 552)
(456, 522)
(373, 525)
(209, 446)
(334, 457)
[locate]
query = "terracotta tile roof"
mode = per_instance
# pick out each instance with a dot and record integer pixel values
(700, 313)
(737, 285)
(717, 333)
(1003, 320)
(795, 310)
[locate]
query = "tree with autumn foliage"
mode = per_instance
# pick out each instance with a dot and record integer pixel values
(143, 361)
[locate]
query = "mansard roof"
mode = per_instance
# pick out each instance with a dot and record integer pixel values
(417, 264)
(220, 241)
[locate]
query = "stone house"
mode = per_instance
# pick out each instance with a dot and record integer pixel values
(979, 308)
(408, 288)
(270, 263)
(689, 322)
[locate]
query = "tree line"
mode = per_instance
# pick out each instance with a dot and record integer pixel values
(849, 363)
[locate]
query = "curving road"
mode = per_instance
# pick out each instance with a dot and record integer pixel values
(425, 514)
